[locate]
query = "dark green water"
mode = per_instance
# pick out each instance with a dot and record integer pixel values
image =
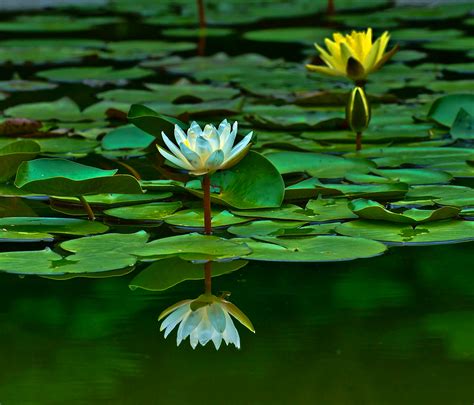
(396, 329)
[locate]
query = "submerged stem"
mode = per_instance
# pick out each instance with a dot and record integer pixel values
(87, 208)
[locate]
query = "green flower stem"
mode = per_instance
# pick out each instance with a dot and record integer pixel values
(87, 208)
(206, 186)
(358, 141)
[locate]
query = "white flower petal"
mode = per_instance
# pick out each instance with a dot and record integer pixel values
(175, 150)
(173, 159)
(210, 133)
(231, 335)
(193, 158)
(191, 322)
(229, 142)
(214, 161)
(222, 126)
(216, 315)
(203, 148)
(226, 139)
(175, 317)
(216, 339)
(179, 134)
(239, 148)
(193, 339)
(204, 331)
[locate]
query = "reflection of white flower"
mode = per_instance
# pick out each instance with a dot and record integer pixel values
(205, 151)
(204, 319)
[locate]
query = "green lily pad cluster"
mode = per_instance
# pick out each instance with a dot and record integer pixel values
(82, 116)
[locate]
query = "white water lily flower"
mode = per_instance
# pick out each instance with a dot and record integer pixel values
(205, 151)
(204, 319)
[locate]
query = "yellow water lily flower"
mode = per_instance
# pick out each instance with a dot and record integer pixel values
(353, 55)
(204, 319)
(207, 150)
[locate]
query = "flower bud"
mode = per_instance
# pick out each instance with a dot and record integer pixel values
(358, 110)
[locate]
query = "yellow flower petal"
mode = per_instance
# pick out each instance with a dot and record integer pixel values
(325, 70)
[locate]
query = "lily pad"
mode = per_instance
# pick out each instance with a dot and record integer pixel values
(305, 35)
(94, 75)
(63, 109)
(127, 137)
(65, 226)
(264, 228)
(317, 165)
(319, 210)
(240, 188)
(445, 109)
(66, 178)
(13, 154)
(29, 262)
(102, 253)
(312, 187)
(167, 273)
(313, 249)
(368, 209)
(439, 232)
(194, 246)
(54, 23)
(463, 125)
(194, 218)
(150, 212)
(18, 85)
(143, 49)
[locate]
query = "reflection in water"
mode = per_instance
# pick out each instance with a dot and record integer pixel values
(204, 319)
(392, 330)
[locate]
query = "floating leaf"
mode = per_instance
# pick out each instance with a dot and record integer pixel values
(126, 137)
(66, 226)
(142, 49)
(194, 218)
(151, 212)
(368, 209)
(13, 154)
(445, 109)
(167, 273)
(313, 249)
(152, 122)
(194, 246)
(94, 75)
(319, 210)
(29, 262)
(252, 183)
(463, 125)
(449, 231)
(317, 165)
(67, 178)
(63, 109)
